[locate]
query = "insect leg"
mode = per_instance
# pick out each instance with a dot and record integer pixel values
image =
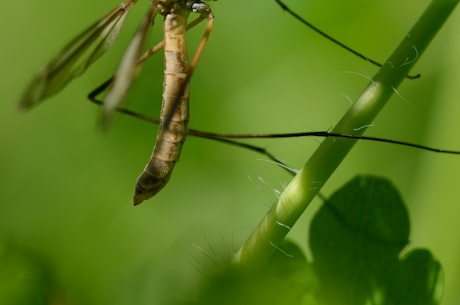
(332, 39)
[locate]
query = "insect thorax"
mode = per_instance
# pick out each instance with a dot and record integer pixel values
(169, 6)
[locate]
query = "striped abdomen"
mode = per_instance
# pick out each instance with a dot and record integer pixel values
(175, 104)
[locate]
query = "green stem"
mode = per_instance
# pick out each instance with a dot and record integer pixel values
(270, 232)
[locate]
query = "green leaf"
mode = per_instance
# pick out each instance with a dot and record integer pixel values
(419, 280)
(356, 238)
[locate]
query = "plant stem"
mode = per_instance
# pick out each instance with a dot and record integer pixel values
(270, 232)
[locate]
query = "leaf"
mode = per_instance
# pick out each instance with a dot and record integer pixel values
(356, 239)
(419, 280)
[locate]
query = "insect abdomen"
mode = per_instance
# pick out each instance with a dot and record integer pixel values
(175, 109)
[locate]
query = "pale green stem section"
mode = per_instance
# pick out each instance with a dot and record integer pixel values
(304, 187)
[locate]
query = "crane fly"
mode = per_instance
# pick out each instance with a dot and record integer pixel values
(91, 44)
(87, 47)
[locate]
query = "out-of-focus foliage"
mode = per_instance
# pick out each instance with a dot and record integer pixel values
(24, 278)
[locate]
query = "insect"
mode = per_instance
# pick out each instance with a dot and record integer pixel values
(86, 48)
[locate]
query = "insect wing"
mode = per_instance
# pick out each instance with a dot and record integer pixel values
(76, 56)
(127, 69)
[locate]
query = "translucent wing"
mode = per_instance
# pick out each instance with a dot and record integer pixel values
(76, 56)
(127, 69)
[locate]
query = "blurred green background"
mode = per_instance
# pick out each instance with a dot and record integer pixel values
(66, 187)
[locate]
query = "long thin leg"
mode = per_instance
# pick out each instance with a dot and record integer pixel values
(332, 39)
(207, 135)
(326, 134)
